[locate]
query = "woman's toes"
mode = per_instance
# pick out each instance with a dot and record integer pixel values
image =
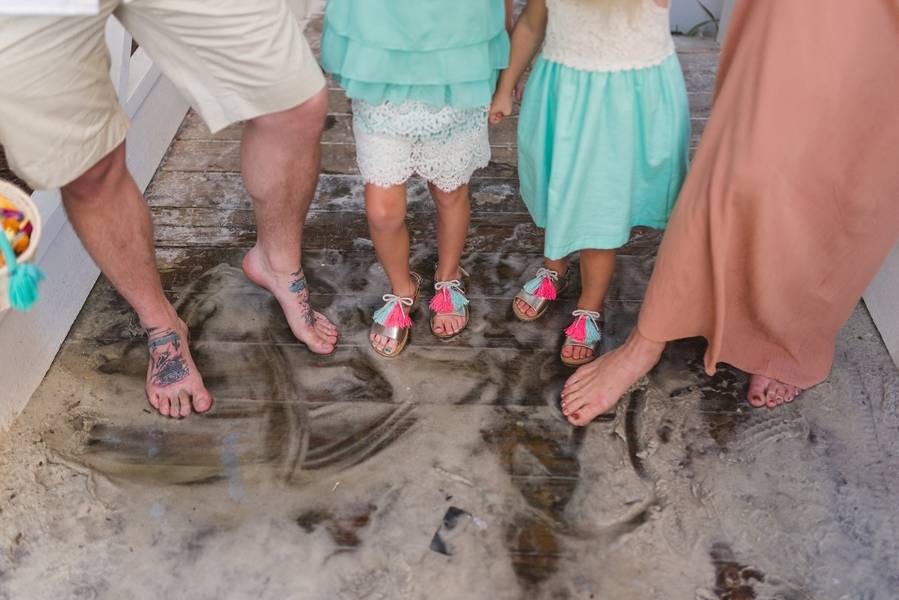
(164, 406)
(780, 393)
(757, 396)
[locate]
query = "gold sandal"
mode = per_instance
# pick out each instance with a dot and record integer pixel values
(450, 300)
(394, 320)
(585, 332)
(539, 293)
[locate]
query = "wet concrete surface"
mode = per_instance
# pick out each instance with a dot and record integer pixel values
(328, 478)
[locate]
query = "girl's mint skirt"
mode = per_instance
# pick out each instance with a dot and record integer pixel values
(438, 52)
(602, 152)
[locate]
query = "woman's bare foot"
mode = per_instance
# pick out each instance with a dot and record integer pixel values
(764, 391)
(597, 387)
(385, 344)
(174, 386)
(292, 293)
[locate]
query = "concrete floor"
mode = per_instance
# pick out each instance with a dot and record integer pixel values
(328, 478)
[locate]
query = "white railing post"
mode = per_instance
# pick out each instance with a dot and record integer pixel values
(119, 42)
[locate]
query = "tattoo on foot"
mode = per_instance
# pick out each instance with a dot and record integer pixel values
(299, 287)
(165, 353)
(298, 284)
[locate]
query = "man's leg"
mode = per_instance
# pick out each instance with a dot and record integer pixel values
(113, 222)
(280, 158)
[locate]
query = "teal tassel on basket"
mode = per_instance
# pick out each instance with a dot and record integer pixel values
(23, 278)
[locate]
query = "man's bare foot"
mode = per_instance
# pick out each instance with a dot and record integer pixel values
(383, 343)
(597, 387)
(174, 385)
(764, 391)
(292, 293)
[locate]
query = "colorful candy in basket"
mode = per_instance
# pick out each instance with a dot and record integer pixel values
(19, 232)
(16, 227)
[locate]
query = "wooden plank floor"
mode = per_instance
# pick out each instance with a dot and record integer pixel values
(326, 477)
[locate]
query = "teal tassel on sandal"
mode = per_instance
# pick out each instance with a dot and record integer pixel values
(23, 278)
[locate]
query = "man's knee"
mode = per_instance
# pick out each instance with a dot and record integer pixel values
(103, 176)
(307, 118)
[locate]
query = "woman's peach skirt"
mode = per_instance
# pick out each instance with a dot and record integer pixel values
(792, 202)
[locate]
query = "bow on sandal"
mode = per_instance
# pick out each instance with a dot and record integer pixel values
(394, 320)
(538, 293)
(585, 332)
(450, 300)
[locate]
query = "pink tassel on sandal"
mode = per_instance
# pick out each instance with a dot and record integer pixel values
(442, 302)
(578, 330)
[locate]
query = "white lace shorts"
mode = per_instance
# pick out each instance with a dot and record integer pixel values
(444, 145)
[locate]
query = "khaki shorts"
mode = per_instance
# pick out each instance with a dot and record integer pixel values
(231, 59)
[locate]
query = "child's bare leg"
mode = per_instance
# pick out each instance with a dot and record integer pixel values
(560, 267)
(386, 212)
(597, 268)
(453, 215)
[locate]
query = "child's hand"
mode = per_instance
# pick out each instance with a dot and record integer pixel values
(501, 107)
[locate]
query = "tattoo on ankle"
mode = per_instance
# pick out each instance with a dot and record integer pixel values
(165, 353)
(298, 282)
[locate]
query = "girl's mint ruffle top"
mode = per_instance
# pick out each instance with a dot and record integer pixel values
(440, 52)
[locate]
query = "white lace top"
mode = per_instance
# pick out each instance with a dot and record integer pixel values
(584, 36)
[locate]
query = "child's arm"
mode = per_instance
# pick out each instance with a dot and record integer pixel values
(526, 40)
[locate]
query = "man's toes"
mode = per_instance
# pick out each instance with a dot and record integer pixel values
(164, 405)
(153, 399)
(325, 324)
(175, 406)
(184, 403)
(320, 345)
(202, 401)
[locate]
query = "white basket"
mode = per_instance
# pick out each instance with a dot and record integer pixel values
(24, 203)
